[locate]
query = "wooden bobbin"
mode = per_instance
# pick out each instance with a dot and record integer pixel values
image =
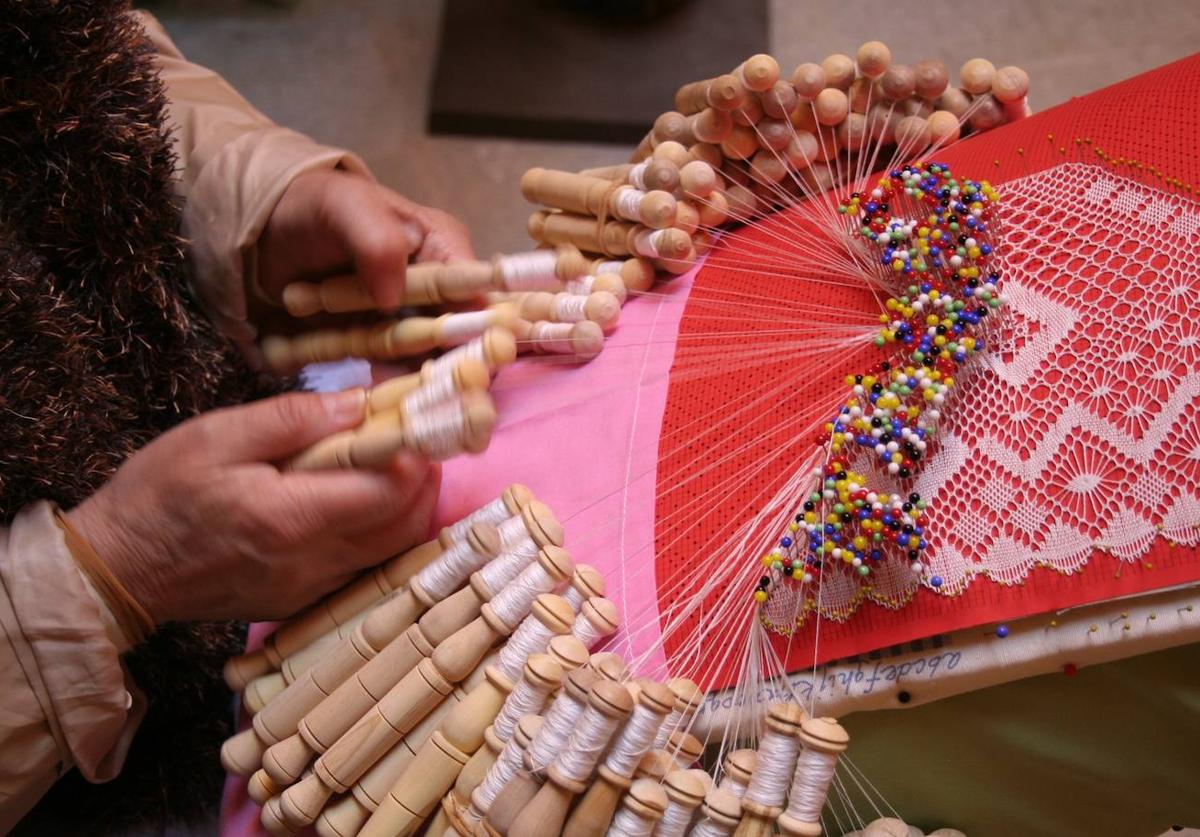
(758, 818)
(758, 72)
(480, 803)
(954, 100)
(524, 786)
(414, 697)
(460, 425)
(823, 735)
(584, 339)
(685, 748)
(839, 71)
(345, 817)
(386, 340)
(671, 126)
(986, 113)
(976, 76)
(724, 92)
(808, 80)
(886, 827)
(655, 765)
(873, 59)
(431, 775)
(931, 78)
(592, 815)
(547, 811)
(598, 618)
(675, 153)
(698, 179)
(392, 649)
(707, 153)
(642, 807)
(599, 307)
(425, 283)
(607, 282)
(713, 211)
(685, 793)
(831, 106)
(737, 769)
(261, 787)
(1010, 86)
(467, 374)
(709, 126)
(661, 174)
(325, 616)
(637, 273)
(899, 82)
(688, 699)
(598, 197)
(722, 809)
(944, 128)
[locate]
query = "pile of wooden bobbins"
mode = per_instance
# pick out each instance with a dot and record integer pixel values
(735, 147)
(452, 691)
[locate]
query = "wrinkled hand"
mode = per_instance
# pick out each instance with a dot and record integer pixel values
(200, 525)
(331, 222)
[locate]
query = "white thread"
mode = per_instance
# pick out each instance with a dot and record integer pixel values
(495, 513)
(711, 828)
(776, 758)
(512, 603)
(534, 271)
(498, 775)
(580, 285)
(557, 724)
(674, 722)
(434, 390)
(578, 759)
(449, 570)
(552, 337)
(810, 784)
(569, 308)
(635, 740)
(472, 350)
(459, 328)
(575, 597)
(628, 824)
(649, 242)
(729, 783)
(675, 820)
(506, 566)
(438, 432)
(609, 267)
(637, 175)
(526, 698)
(531, 637)
(587, 631)
(629, 203)
(512, 530)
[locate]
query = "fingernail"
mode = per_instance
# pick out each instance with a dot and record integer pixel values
(347, 406)
(415, 234)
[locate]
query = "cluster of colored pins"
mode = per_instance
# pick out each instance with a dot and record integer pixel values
(932, 232)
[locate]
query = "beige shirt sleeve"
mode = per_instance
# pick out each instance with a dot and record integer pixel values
(235, 165)
(65, 699)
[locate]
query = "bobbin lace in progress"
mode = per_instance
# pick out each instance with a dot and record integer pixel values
(1076, 437)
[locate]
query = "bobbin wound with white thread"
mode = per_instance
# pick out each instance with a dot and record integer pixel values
(592, 815)
(609, 704)
(777, 751)
(822, 741)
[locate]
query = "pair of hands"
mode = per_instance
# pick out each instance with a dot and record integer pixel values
(200, 524)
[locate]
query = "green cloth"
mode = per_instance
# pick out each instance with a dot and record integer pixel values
(1112, 752)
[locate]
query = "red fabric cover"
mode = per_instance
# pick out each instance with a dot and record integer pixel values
(1150, 119)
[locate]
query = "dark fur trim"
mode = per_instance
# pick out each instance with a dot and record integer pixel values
(102, 349)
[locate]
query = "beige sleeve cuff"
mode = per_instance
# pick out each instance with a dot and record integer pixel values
(65, 698)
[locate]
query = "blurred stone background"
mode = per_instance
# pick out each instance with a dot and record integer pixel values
(358, 73)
